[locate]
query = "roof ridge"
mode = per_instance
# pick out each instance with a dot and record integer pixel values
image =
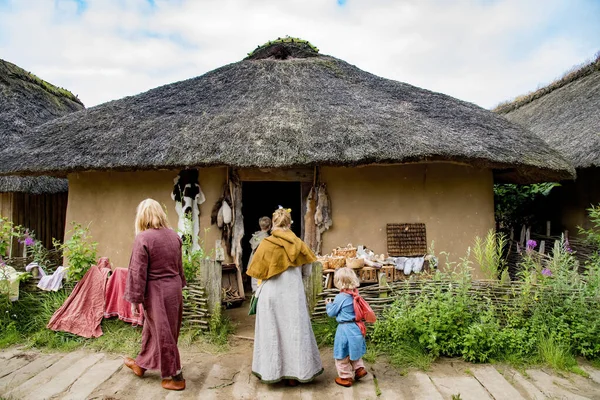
(577, 72)
(19, 73)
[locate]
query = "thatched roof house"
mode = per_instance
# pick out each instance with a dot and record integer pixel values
(25, 102)
(566, 114)
(389, 151)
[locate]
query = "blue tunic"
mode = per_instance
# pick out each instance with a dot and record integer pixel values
(349, 341)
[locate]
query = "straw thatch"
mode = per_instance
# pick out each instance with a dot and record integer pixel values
(285, 106)
(566, 114)
(27, 101)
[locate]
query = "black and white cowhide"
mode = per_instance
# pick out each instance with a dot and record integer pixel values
(188, 196)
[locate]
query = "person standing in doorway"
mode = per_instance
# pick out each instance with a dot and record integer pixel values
(284, 343)
(155, 279)
(265, 225)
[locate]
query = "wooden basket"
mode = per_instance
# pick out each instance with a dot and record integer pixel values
(336, 262)
(355, 263)
(348, 252)
(390, 272)
(368, 275)
(324, 262)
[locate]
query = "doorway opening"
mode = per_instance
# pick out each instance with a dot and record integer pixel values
(261, 199)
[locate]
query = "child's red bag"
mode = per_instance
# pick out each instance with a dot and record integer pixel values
(362, 310)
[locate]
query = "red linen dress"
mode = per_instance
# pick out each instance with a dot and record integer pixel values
(155, 279)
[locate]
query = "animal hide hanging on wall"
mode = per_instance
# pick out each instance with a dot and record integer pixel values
(237, 219)
(310, 227)
(323, 219)
(188, 197)
(217, 218)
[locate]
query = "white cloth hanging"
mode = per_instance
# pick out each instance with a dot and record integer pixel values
(49, 282)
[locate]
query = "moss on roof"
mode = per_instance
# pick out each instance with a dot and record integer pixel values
(15, 71)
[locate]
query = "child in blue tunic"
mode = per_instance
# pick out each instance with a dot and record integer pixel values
(349, 345)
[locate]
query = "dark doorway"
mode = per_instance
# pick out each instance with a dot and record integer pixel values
(260, 199)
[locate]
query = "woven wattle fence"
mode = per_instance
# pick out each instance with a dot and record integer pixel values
(195, 306)
(500, 294)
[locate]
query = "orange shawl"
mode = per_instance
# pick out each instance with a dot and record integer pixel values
(278, 252)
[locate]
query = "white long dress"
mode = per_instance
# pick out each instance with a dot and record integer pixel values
(284, 342)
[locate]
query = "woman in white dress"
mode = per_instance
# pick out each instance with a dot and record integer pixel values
(284, 343)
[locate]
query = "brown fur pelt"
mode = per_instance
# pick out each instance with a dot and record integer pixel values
(310, 228)
(238, 220)
(322, 214)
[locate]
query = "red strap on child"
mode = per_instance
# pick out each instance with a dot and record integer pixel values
(362, 310)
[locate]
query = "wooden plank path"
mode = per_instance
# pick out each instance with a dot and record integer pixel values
(29, 374)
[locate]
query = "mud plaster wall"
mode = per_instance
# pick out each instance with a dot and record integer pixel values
(108, 201)
(455, 202)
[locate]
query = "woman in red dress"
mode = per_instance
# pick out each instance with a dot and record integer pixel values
(155, 279)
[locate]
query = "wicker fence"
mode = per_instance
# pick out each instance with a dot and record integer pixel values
(195, 306)
(381, 296)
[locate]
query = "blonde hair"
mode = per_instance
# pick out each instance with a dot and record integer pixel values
(282, 218)
(150, 215)
(264, 223)
(345, 278)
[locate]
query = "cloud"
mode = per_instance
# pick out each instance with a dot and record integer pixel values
(480, 51)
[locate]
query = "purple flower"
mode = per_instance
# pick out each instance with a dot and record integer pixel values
(27, 239)
(546, 272)
(531, 244)
(567, 246)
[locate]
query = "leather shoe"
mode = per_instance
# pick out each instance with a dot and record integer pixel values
(171, 384)
(344, 382)
(130, 363)
(360, 373)
(292, 382)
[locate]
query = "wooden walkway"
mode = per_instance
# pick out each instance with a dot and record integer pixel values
(28, 374)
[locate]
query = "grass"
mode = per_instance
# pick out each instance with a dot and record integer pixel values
(324, 329)
(555, 355)
(410, 354)
(24, 322)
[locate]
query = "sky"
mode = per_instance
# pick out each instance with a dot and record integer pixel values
(481, 51)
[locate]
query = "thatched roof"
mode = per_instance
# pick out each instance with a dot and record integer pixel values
(285, 105)
(27, 101)
(566, 114)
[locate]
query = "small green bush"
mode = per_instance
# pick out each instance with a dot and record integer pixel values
(554, 318)
(79, 251)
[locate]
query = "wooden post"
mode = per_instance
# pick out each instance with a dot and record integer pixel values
(313, 286)
(542, 246)
(383, 283)
(210, 277)
(522, 239)
(548, 228)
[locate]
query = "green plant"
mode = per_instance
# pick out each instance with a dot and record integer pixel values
(556, 354)
(489, 254)
(324, 329)
(220, 327)
(191, 258)
(551, 316)
(79, 251)
(8, 232)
